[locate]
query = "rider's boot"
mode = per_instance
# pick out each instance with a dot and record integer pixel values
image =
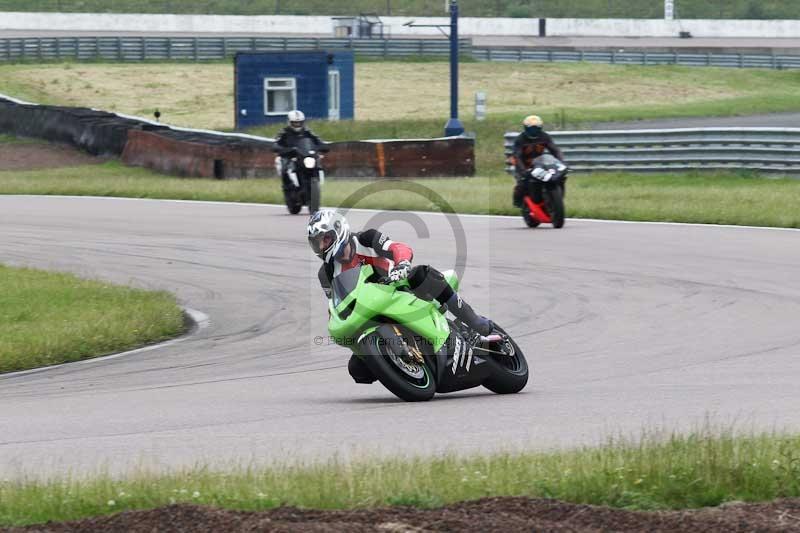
(462, 311)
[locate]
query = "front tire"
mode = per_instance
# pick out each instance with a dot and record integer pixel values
(293, 204)
(387, 356)
(555, 206)
(314, 195)
(509, 372)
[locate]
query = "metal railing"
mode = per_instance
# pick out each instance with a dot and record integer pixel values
(758, 149)
(207, 48)
(639, 58)
(217, 48)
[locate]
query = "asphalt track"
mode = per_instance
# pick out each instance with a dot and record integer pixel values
(628, 326)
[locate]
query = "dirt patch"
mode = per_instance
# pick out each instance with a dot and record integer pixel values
(489, 514)
(31, 156)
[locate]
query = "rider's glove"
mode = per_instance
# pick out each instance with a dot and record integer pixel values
(400, 271)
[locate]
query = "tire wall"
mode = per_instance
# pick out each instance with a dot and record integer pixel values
(204, 154)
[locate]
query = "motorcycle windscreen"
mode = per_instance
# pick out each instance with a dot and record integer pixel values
(547, 161)
(306, 146)
(344, 284)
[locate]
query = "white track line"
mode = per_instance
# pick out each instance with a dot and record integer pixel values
(200, 320)
(469, 215)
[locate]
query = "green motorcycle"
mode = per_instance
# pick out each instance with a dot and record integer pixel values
(409, 344)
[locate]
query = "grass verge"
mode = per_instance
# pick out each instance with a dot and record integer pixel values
(712, 198)
(201, 94)
(565, 95)
(657, 472)
(49, 318)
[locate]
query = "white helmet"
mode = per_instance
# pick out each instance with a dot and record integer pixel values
(296, 120)
(328, 234)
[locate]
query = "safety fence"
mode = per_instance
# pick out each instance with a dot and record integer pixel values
(208, 48)
(758, 149)
(212, 154)
(693, 59)
(218, 48)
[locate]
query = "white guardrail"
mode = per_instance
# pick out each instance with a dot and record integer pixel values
(758, 149)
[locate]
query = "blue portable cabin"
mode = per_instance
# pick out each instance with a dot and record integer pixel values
(270, 84)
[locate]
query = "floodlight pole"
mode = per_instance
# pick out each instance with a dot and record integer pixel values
(453, 126)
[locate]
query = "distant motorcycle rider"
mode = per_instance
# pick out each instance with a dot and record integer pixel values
(530, 144)
(289, 139)
(340, 249)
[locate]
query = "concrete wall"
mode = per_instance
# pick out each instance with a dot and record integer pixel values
(773, 29)
(288, 25)
(165, 23)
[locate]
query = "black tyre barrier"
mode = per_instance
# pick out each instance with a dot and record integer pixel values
(97, 132)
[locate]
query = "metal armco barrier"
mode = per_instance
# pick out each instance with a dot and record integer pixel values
(758, 149)
(207, 48)
(217, 48)
(639, 58)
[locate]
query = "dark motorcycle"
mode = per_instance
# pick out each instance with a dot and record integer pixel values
(543, 184)
(304, 176)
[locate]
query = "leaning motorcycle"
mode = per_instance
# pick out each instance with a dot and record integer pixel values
(305, 176)
(543, 184)
(411, 347)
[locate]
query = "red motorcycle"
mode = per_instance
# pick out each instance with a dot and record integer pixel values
(543, 186)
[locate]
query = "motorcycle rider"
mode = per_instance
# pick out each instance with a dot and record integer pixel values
(340, 249)
(289, 138)
(530, 144)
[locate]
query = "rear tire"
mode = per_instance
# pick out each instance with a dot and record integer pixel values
(313, 196)
(528, 218)
(509, 373)
(384, 353)
(555, 205)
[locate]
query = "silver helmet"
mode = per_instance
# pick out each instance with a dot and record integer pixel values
(328, 234)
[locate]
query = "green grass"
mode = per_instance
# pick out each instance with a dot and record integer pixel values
(566, 95)
(11, 139)
(50, 318)
(656, 472)
(758, 9)
(714, 198)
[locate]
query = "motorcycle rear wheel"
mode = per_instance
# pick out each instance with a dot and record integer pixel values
(509, 372)
(529, 219)
(387, 356)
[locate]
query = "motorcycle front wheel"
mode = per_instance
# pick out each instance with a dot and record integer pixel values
(314, 195)
(293, 203)
(387, 356)
(555, 206)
